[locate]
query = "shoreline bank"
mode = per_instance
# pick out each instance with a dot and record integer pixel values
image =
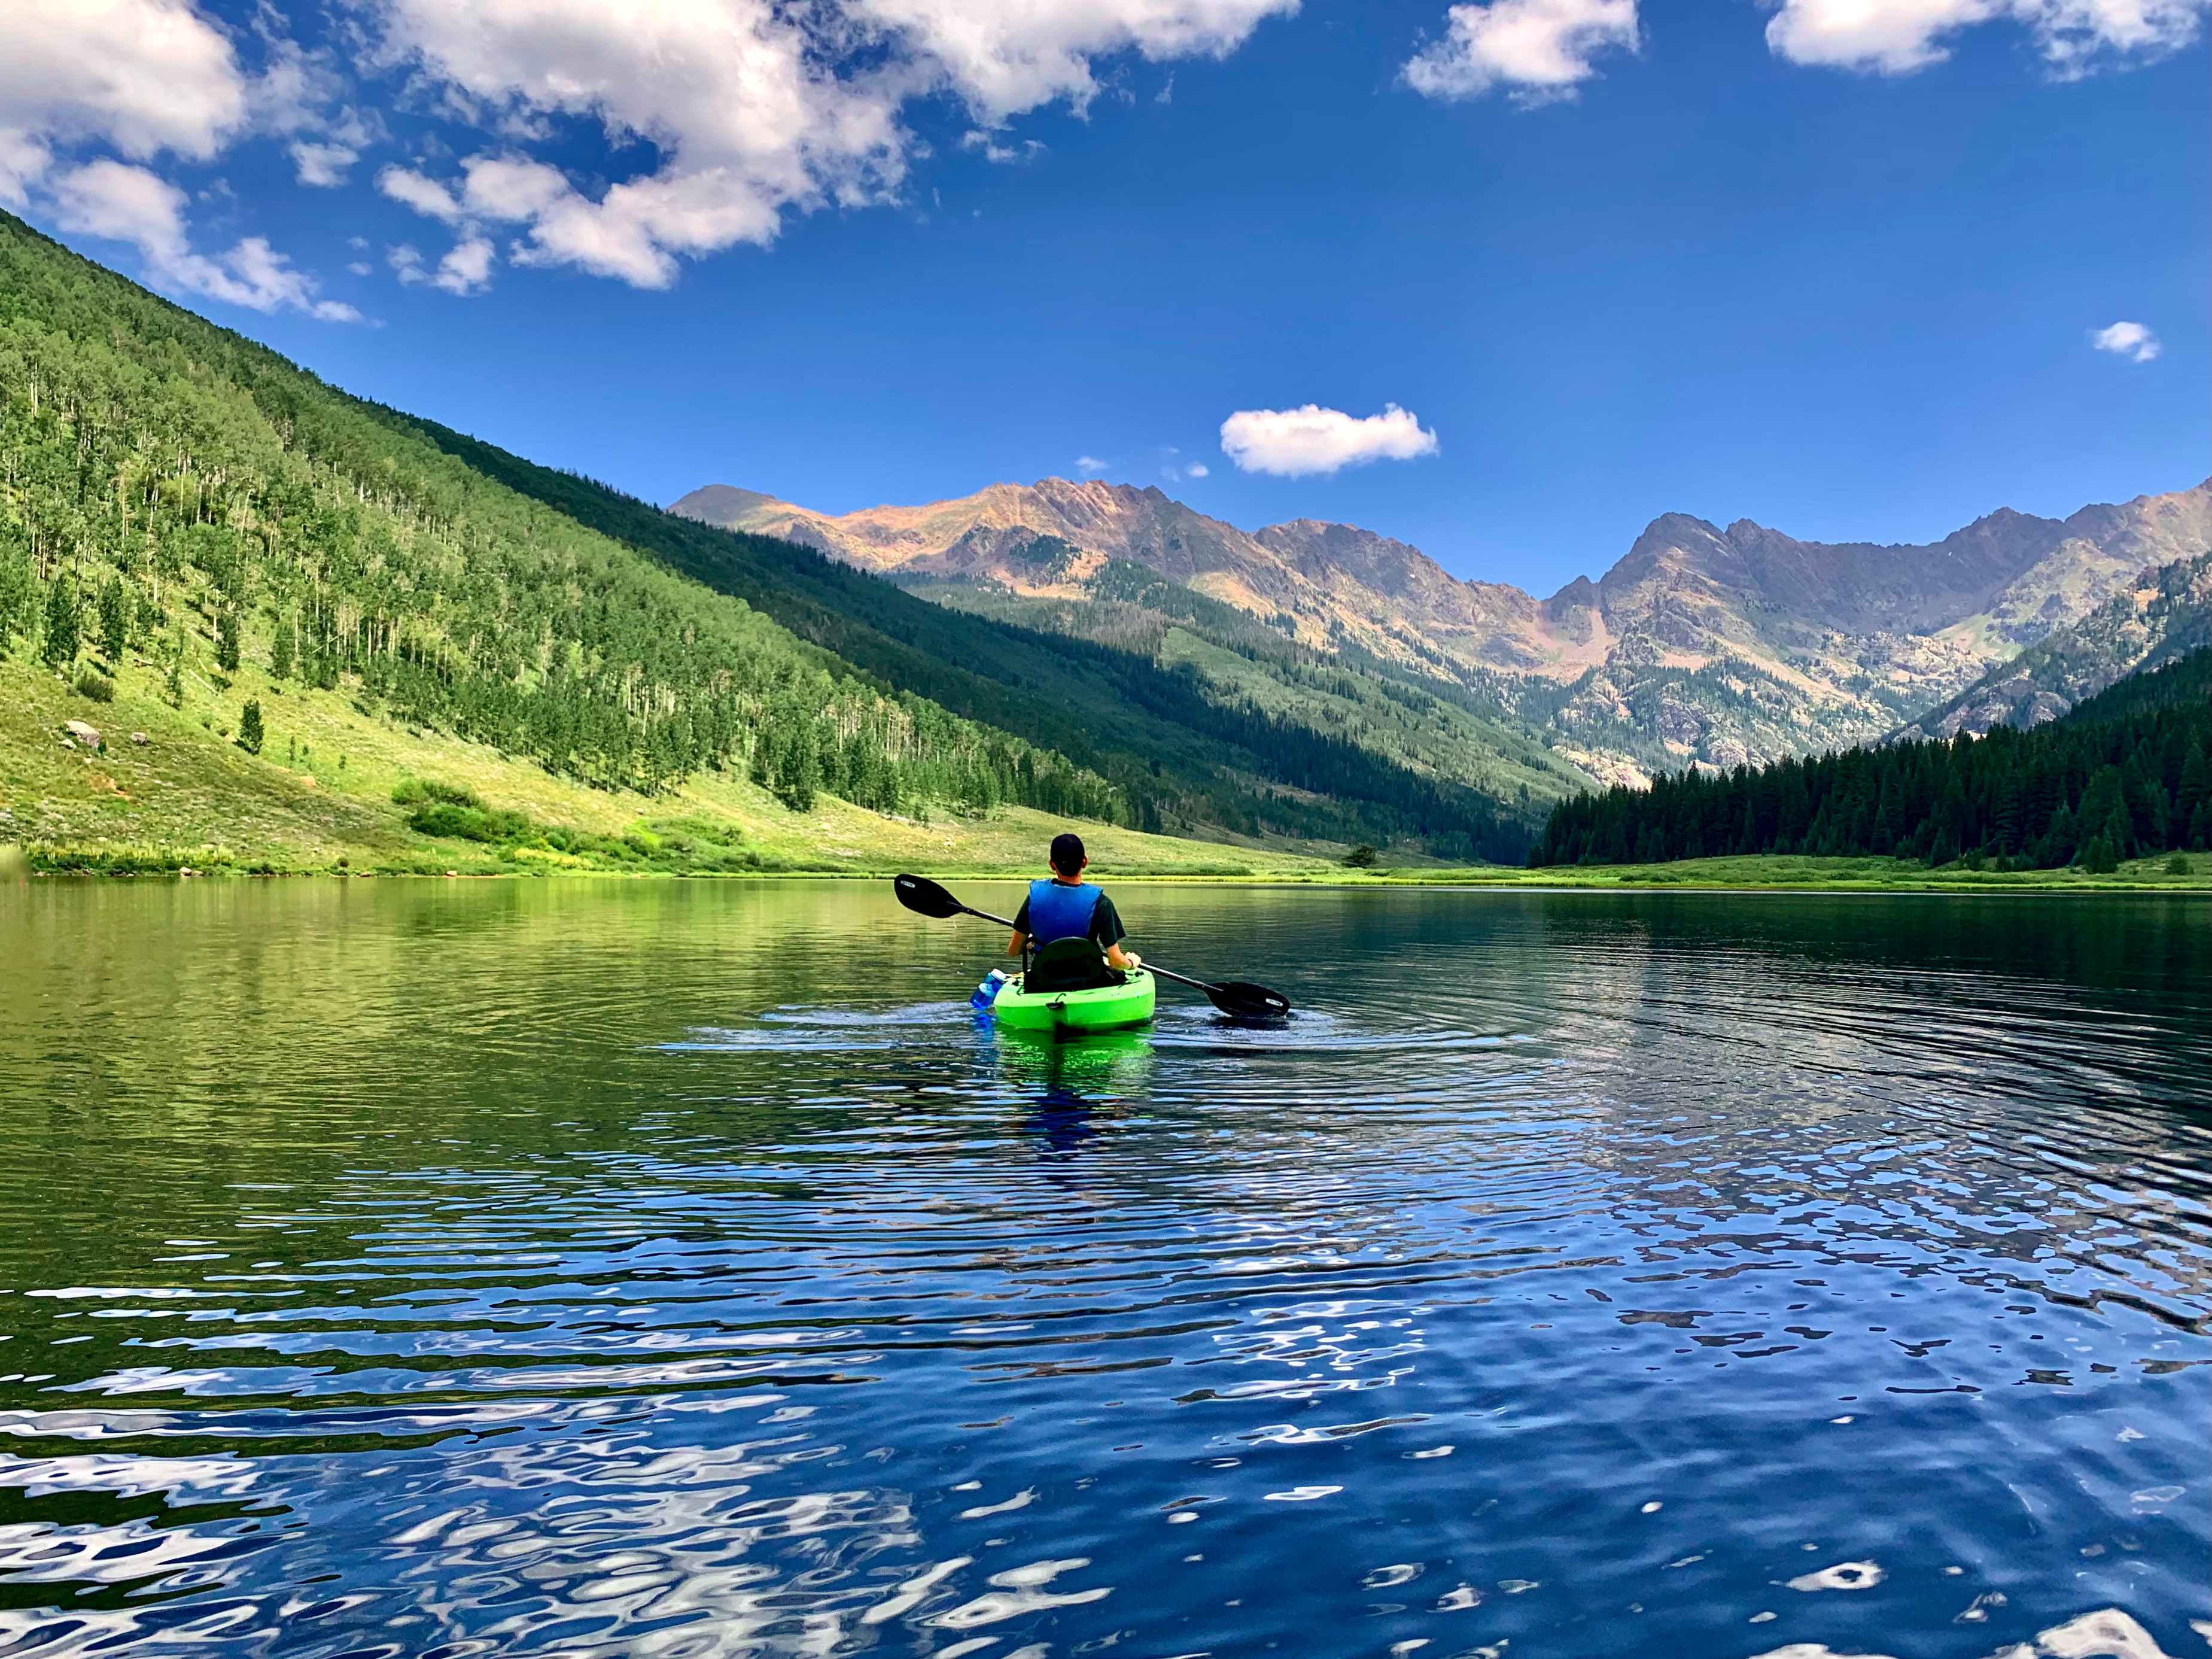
(1770, 873)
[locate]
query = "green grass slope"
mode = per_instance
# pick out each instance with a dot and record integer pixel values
(319, 798)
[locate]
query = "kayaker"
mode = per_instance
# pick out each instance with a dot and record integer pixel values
(1068, 907)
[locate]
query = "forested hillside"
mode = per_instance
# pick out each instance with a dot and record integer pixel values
(2129, 773)
(1190, 747)
(173, 492)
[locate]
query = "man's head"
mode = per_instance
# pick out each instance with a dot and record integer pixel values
(1068, 857)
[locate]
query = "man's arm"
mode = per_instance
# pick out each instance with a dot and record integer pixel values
(1015, 944)
(1107, 930)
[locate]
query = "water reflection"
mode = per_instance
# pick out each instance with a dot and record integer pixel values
(1072, 1087)
(662, 1269)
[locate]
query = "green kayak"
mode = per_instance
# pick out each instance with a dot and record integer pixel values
(1106, 1009)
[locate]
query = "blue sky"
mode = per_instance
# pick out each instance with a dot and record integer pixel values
(1643, 262)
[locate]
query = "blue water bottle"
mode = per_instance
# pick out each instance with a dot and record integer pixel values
(986, 993)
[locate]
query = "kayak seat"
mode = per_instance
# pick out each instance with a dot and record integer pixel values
(1069, 964)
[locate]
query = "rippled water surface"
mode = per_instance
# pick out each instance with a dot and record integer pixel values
(661, 1269)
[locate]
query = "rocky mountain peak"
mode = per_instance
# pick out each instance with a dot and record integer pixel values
(723, 503)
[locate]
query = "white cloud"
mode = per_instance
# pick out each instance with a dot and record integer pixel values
(140, 75)
(754, 107)
(321, 165)
(1292, 442)
(145, 79)
(132, 204)
(1894, 37)
(467, 267)
(2127, 339)
(979, 141)
(426, 196)
(1089, 464)
(1538, 49)
(1198, 469)
(1004, 56)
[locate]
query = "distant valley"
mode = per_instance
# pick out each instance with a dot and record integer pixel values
(1700, 645)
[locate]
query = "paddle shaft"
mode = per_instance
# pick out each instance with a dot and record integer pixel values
(1183, 979)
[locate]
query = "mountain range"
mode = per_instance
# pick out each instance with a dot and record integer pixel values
(1700, 645)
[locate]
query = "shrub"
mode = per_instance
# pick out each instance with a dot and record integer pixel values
(2178, 864)
(414, 791)
(91, 683)
(124, 858)
(452, 821)
(1362, 857)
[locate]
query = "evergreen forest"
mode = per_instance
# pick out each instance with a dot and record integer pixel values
(2127, 773)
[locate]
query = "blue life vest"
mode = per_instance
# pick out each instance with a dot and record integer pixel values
(1060, 912)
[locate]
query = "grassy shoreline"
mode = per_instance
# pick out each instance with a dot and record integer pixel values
(1762, 874)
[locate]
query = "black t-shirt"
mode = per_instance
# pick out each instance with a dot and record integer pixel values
(1106, 929)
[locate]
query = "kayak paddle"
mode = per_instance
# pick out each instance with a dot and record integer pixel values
(920, 894)
(1240, 999)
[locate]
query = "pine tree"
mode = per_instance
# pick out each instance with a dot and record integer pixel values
(114, 619)
(225, 640)
(249, 725)
(2119, 833)
(63, 632)
(280, 655)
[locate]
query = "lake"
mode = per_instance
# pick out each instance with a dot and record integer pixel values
(679, 1269)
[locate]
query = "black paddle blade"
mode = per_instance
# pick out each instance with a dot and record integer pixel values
(1240, 999)
(919, 893)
